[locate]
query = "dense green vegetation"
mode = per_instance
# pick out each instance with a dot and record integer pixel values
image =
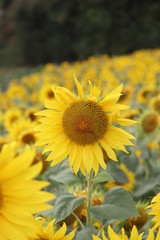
(35, 32)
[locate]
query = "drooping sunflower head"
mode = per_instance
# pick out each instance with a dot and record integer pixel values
(82, 126)
(140, 221)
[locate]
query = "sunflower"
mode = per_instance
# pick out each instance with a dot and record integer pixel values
(140, 221)
(30, 114)
(132, 113)
(133, 235)
(150, 122)
(46, 92)
(11, 117)
(127, 95)
(129, 185)
(23, 132)
(20, 195)
(48, 232)
(143, 94)
(155, 104)
(81, 126)
(155, 210)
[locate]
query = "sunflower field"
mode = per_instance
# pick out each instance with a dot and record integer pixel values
(80, 150)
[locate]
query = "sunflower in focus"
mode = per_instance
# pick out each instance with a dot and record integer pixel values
(48, 232)
(81, 126)
(20, 195)
(133, 235)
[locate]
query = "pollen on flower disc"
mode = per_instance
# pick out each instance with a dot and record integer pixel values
(85, 122)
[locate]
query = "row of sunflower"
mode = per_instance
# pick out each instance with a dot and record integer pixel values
(82, 194)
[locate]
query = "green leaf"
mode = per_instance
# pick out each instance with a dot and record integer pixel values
(118, 175)
(65, 177)
(86, 233)
(146, 186)
(65, 205)
(103, 177)
(117, 204)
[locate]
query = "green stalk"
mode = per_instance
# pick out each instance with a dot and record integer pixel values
(78, 219)
(89, 195)
(99, 233)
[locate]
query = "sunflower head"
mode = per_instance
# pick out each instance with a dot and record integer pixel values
(150, 122)
(80, 127)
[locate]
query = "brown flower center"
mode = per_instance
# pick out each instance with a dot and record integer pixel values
(50, 94)
(28, 138)
(145, 93)
(150, 122)
(13, 119)
(32, 116)
(85, 122)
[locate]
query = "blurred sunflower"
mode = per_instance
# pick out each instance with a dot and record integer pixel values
(133, 235)
(46, 92)
(131, 113)
(81, 127)
(30, 114)
(150, 122)
(23, 132)
(129, 185)
(20, 195)
(140, 221)
(155, 104)
(11, 117)
(144, 94)
(155, 210)
(49, 232)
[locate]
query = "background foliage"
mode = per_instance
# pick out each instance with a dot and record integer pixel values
(35, 31)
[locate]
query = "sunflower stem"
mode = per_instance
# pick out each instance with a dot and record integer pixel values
(99, 233)
(89, 197)
(78, 219)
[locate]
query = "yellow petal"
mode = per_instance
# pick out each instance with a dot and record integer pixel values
(99, 155)
(88, 157)
(79, 88)
(111, 154)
